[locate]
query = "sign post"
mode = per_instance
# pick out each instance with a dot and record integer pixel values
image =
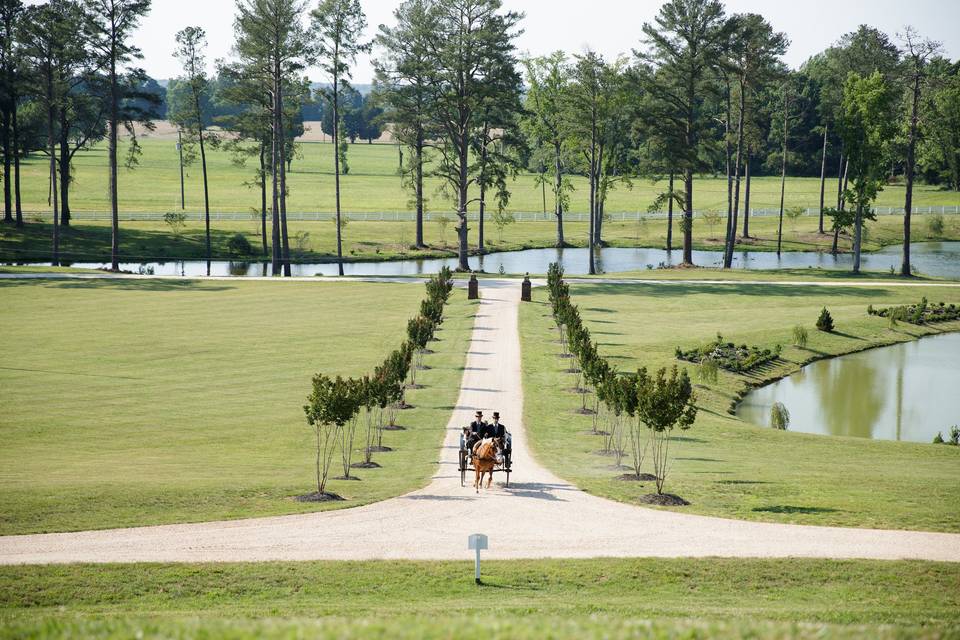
(477, 541)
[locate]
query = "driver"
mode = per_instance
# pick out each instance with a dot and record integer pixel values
(476, 431)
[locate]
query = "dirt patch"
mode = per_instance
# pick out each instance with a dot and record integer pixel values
(663, 500)
(564, 355)
(584, 412)
(347, 477)
(404, 405)
(423, 367)
(365, 465)
(318, 497)
(411, 386)
(394, 427)
(632, 477)
(571, 370)
(380, 449)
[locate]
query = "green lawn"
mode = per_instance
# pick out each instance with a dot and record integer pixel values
(134, 403)
(598, 598)
(724, 466)
(316, 241)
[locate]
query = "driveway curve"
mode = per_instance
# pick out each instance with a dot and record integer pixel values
(537, 516)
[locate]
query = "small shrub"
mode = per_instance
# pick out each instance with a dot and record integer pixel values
(779, 416)
(938, 439)
(176, 220)
(728, 356)
(238, 245)
(800, 336)
(935, 224)
(708, 371)
(793, 214)
(921, 313)
(955, 435)
(825, 321)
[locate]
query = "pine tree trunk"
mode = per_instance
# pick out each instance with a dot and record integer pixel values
(64, 170)
(336, 166)
(419, 187)
(670, 215)
(592, 268)
(52, 150)
(284, 237)
(7, 162)
(114, 117)
(823, 176)
(688, 216)
(275, 177)
(16, 165)
(746, 192)
(483, 195)
(203, 168)
(263, 197)
(909, 171)
(558, 194)
(463, 169)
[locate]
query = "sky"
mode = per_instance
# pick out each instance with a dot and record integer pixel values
(611, 27)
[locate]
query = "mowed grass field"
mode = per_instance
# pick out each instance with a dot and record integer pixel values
(372, 184)
(133, 403)
(723, 465)
(598, 598)
(143, 241)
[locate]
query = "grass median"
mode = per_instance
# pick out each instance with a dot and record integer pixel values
(725, 466)
(156, 401)
(598, 598)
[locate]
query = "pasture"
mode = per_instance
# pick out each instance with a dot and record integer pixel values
(132, 403)
(723, 465)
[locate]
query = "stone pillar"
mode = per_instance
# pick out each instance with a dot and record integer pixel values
(525, 288)
(473, 288)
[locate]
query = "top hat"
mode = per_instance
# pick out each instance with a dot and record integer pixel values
(479, 414)
(496, 414)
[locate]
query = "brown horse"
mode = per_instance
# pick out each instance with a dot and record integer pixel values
(484, 460)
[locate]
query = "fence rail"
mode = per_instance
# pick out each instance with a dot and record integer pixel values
(409, 216)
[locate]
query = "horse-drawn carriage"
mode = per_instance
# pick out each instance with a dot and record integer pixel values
(501, 462)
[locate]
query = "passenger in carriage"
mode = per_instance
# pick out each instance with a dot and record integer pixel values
(499, 431)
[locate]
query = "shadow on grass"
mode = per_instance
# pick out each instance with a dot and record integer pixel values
(137, 284)
(786, 508)
(668, 289)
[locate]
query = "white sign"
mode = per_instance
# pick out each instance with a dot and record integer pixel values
(477, 541)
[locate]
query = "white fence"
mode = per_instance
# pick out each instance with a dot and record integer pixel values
(408, 216)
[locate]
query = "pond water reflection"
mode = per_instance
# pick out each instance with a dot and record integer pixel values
(907, 391)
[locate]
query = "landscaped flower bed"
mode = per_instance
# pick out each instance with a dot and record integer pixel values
(923, 313)
(729, 356)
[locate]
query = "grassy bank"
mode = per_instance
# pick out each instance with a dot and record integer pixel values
(623, 598)
(141, 241)
(723, 465)
(144, 402)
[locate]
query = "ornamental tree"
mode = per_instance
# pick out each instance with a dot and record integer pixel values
(664, 403)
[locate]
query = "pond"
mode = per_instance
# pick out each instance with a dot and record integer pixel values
(930, 258)
(906, 391)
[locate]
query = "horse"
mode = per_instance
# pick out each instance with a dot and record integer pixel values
(484, 460)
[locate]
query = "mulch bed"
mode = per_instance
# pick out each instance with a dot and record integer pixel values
(365, 465)
(318, 497)
(411, 386)
(346, 478)
(584, 412)
(393, 427)
(632, 477)
(663, 500)
(380, 449)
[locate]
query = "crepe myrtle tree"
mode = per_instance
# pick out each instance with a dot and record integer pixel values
(355, 391)
(664, 403)
(419, 331)
(330, 405)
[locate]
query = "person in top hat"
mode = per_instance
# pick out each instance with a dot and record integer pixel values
(476, 431)
(499, 431)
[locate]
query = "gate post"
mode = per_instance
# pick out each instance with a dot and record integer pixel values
(473, 288)
(525, 288)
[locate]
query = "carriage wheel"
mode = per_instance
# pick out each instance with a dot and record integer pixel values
(463, 468)
(507, 483)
